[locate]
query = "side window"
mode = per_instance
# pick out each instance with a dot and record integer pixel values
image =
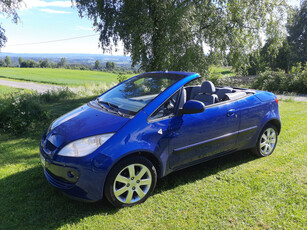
(194, 82)
(167, 108)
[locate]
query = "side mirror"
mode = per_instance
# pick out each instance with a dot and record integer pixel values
(192, 106)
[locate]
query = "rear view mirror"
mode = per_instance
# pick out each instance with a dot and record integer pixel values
(192, 106)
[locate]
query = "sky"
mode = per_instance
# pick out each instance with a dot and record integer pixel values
(45, 20)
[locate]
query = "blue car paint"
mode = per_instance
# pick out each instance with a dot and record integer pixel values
(219, 130)
(83, 122)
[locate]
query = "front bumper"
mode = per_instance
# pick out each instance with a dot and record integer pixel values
(77, 181)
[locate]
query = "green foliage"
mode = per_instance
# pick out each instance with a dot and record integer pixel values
(7, 61)
(171, 35)
(110, 65)
(29, 64)
(281, 82)
(62, 63)
(2, 63)
(8, 8)
(297, 29)
(20, 60)
(120, 78)
(97, 64)
(44, 63)
(293, 48)
(55, 96)
(20, 110)
(265, 59)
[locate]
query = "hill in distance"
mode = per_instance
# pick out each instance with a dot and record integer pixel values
(89, 59)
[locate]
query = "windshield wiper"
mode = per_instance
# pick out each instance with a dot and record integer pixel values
(101, 105)
(112, 106)
(109, 104)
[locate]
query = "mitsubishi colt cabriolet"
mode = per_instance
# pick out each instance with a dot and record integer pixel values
(148, 126)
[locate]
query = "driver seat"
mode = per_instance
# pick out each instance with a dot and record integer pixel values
(207, 93)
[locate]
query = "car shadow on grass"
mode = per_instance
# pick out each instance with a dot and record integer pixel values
(27, 201)
(202, 170)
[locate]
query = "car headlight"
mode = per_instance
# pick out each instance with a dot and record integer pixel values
(84, 146)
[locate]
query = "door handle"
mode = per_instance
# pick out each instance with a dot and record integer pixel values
(232, 113)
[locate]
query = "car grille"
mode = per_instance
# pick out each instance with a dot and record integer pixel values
(49, 146)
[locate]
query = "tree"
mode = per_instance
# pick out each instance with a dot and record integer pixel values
(110, 65)
(171, 34)
(8, 8)
(20, 60)
(62, 63)
(44, 63)
(97, 64)
(7, 61)
(297, 29)
(263, 58)
(2, 62)
(29, 64)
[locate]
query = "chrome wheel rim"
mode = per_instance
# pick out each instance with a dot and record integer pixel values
(268, 141)
(132, 183)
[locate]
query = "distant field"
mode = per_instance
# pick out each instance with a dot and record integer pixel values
(224, 70)
(58, 76)
(73, 77)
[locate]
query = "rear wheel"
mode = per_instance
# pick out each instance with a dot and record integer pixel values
(267, 141)
(130, 182)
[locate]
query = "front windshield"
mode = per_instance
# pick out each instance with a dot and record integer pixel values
(134, 94)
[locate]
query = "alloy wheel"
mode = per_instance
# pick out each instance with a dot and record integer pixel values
(267, 141)
(132, 183)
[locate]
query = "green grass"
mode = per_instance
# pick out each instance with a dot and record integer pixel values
(6, 90)
(238, 191)
(224, 70)
(58, 76)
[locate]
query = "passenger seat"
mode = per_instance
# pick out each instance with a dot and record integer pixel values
(194, 92)
(221, 93)
(207, 94)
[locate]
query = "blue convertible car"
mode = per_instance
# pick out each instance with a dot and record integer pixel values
(149, 126)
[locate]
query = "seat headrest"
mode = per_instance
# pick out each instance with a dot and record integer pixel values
(207, 87)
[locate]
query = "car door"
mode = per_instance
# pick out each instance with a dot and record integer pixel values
(196, 136)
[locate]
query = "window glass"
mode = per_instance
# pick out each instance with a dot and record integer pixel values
(167, 108)
(132, 95)
(194, 82)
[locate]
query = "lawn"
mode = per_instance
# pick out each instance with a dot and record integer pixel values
(238, 191)
(5, 90)
(58, 76)
(224, 70)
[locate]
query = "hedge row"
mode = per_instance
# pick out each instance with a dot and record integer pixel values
(279, 82)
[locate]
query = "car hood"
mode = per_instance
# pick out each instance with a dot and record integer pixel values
(83, 122)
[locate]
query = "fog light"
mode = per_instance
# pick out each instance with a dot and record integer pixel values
(70, 174)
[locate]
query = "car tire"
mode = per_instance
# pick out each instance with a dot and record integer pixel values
(130, 182)
(267, 141)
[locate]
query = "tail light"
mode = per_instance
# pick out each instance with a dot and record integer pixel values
(276, 100)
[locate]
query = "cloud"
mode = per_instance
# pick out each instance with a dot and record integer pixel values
(55, 11)
(38, 3)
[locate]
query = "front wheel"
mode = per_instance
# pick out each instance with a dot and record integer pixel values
(267, 141)
(130, 182)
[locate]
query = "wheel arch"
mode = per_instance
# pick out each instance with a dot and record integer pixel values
(276, 123)
(151, 157)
